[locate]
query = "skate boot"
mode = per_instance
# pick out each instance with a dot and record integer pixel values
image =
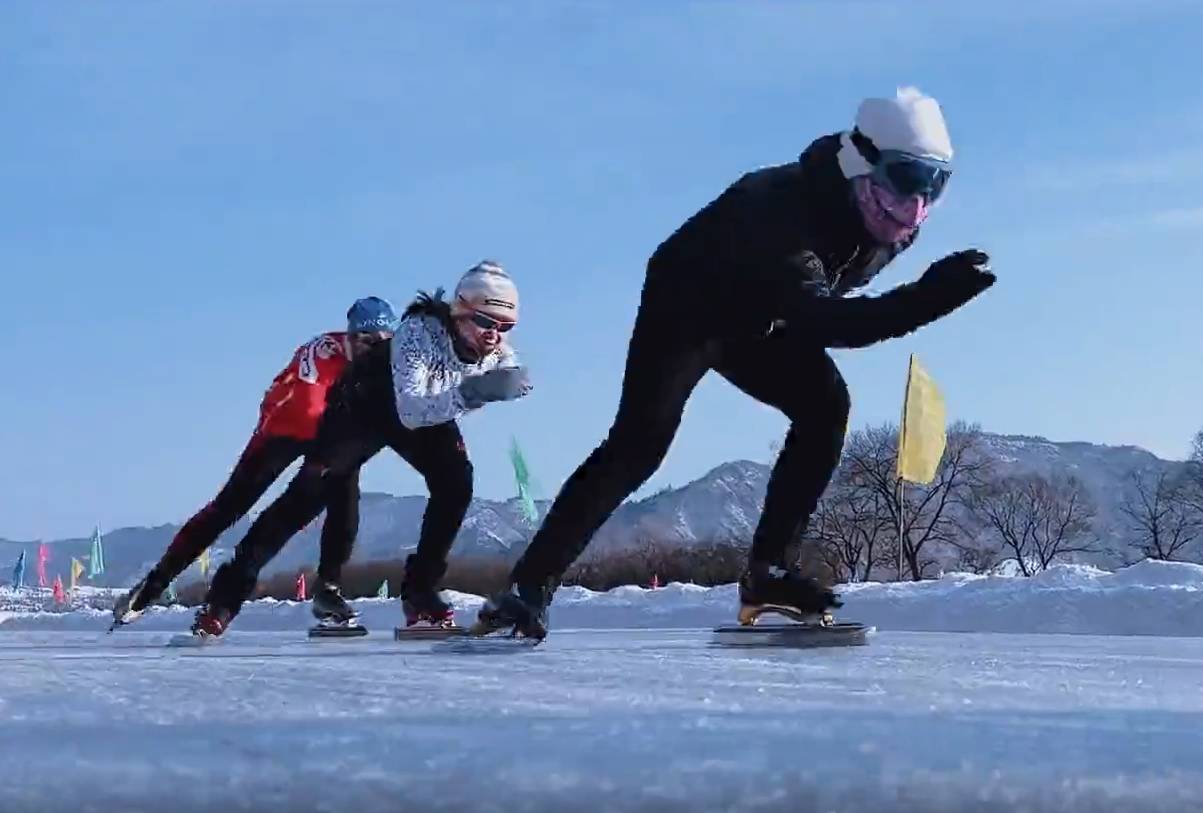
(425, 607)
(129, 608)
(523, 610)
(766, 588)
(332, 610)
(426, 614)
(210, 623)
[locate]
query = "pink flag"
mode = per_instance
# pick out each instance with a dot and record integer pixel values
(43, 559)
(301, 586)
(59, 596)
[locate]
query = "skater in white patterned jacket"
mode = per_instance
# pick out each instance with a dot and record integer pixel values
(445, 360)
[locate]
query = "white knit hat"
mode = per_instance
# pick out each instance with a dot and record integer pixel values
(910, 122)
(488, 288)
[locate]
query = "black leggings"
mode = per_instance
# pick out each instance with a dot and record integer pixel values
(360, 419)
(262, 462)
(666, 359)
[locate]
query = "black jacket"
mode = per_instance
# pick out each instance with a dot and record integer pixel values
(787, 243)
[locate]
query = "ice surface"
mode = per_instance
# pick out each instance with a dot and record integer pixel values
(626, 707)
(647, 720)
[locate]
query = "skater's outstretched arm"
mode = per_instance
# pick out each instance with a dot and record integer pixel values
(864, 320)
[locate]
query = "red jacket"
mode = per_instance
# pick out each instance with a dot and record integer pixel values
(294, 402)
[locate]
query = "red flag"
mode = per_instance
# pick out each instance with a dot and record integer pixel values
(43, 559)
(59, 596)
(301, 586)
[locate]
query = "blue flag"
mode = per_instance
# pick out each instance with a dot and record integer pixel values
(19, 572)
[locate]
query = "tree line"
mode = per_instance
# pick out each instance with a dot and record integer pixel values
(974, 516)
(977, 514)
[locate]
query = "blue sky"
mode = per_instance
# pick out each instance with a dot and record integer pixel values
(190, 190)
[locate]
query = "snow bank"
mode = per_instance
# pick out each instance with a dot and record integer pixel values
(1149, 598)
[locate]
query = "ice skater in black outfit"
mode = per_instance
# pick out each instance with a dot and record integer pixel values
(288, 419)
(755, 287)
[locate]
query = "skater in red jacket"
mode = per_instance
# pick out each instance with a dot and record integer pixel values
(288, 419)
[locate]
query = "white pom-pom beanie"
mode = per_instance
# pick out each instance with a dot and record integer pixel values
(486, 287)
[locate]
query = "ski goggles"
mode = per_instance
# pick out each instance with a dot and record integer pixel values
(906, 175)
(486, 322)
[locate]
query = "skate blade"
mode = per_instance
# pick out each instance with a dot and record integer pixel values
(342, 631)
(486, 645)
(749, 614)
(792, 636)
(490, 626)
(419, 632)
(190, 641)
(481, 627)
(125, 620)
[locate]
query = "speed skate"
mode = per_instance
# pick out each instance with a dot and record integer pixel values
(189, 640)
(800, 632)
(337, 629)
(483, 638)
(471, 643)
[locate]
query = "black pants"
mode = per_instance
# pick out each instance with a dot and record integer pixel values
(673, 345)
(360, 420)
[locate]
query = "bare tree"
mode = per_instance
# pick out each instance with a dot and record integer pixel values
(978, 557)
(851, 528)
(1161, 514)
(1193, 474)
(929, 518)
(1036, 519)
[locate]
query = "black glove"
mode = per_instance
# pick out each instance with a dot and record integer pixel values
(957, 278)
(502, 384)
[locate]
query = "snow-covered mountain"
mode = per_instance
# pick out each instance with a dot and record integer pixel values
(722, 505)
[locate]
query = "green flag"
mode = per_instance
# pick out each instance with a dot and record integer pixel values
(96, 560)
(522, 478)
(169, 593)
(383, 591)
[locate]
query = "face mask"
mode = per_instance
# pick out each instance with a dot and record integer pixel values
(888, 217)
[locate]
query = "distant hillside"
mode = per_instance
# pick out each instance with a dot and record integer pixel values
(723, 504)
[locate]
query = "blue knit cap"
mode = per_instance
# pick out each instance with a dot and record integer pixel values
(371, 314)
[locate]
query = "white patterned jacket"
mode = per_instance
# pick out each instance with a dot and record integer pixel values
(427, 371)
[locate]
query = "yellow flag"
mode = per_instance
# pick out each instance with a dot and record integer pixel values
(77, 570)
(204, 562)
(922, 436)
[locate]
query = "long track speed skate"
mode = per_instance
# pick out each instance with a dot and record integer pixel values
(335, 617)
(427, 617)
(802, 601)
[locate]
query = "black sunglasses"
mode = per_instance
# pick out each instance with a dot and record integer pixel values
(489, 323)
